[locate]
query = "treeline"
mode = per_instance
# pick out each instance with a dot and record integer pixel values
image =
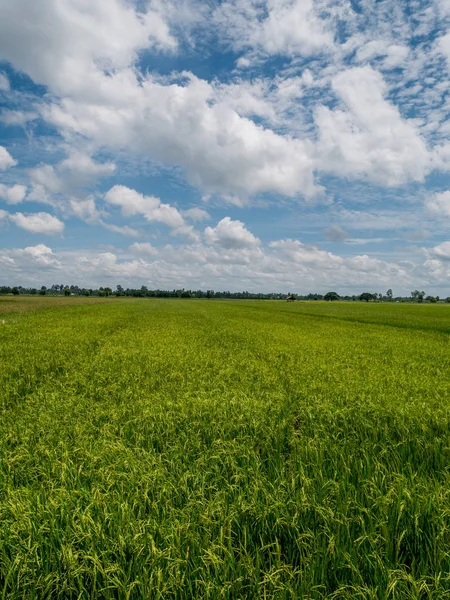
(144, 292)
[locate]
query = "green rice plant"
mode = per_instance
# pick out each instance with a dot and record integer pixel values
(224, 449)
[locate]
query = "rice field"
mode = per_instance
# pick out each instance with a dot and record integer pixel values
(224, 449)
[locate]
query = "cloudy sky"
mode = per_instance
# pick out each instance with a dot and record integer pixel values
(265, 145)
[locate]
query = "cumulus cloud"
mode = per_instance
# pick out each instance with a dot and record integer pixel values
(45, 177)
(335, 233)
(83, 165)
(394, 54)
(13, 194)
(220, 150)
(143, 248)
(369, 140)
(4, 83)
(85, 209)
(284, 27)
(196, 214)
(17, 117)
(439, 204)
(38, 223)
(284, 264)
(132, 202)
(231, 235)
(307, 255)
(51, 183)
(6, 160)
(122, 229)
(77, 39)
(41, 254)
(441, 252)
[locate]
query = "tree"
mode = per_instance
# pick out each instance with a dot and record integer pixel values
(417, 295)
(15, 291)
(43, 291)
(67, 292)
(367, 296)
(389, 294)
(431, 299)
(330, 296)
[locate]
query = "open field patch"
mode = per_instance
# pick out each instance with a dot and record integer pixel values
(214, 449)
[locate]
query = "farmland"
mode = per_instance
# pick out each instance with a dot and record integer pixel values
(224, 449)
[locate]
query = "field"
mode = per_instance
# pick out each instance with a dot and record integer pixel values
(213, 449)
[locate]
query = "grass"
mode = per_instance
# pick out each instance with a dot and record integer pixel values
(212, 449)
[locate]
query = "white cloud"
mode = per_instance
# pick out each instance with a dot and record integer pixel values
(13, 194)
(335, 233)
(40, 194)
(285, 27)
(69, 177)
(243, 62)
(41, 254)
(370, 140)
(439, 204)
(38, 223)
(394, 55)
(17, 117)
(83, 165)
(132, 203)
(143, 248)
(381, 219)
(167, 214)
(441, 252)
(220, 150)
(231, 235)
(307, 255)
(4, 83)
(444, 46)
(284, 264)
(46, 177)
(3, 214)
(122, 229)
(6, 160)
(85, 209)
(65, 45)
(196, 214)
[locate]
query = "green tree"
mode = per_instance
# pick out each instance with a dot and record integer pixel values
(330, 296)
(417, 295)
(389, 294)
(367, 297)
(67, 291)
(15, 291)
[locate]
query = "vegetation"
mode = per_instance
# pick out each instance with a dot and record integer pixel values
(192, 449)
(145, 292)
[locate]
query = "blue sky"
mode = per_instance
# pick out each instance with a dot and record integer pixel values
(266, 145)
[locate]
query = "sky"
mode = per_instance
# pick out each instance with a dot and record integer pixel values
(261, 145)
